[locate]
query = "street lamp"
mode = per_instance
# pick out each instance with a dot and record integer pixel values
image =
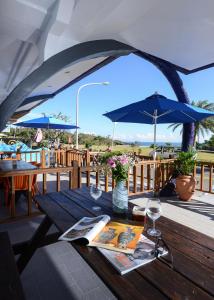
(77, 105)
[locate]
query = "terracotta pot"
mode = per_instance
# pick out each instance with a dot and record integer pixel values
(185, 187)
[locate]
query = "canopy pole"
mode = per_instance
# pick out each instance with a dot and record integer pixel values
(155, 128)
(154, 150)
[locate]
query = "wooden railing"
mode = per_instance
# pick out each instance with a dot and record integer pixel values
(143, 177)
(53, 158)
(203, 173)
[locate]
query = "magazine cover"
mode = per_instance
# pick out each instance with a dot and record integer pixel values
(99, 232)
(118, 237)
(124, 263)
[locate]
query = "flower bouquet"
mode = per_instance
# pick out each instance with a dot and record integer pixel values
(118, 164)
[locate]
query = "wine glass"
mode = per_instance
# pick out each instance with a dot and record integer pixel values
(95, 192)
(153, 211)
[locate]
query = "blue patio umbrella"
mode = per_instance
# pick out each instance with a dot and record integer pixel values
(158, 109)
(46, 122)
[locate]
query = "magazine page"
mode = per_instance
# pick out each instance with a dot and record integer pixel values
(124, 263)
(86, 228)
(118, 237)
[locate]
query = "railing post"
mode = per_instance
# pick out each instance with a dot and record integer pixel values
(42, 158)
(202, 178)
(142, 179)
(44, 184)
(87, 156)
(75, 177)
(135, 179)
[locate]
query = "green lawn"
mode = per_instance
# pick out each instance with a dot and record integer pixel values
(145, 151)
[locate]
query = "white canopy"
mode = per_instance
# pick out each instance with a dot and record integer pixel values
(31, 31)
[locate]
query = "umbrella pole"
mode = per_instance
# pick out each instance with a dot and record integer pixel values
(154, 149)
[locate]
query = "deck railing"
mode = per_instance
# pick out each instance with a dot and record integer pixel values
(143, 177)
(47, 158)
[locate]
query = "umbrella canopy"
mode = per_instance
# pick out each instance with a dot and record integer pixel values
(158, 109)
(46, 122)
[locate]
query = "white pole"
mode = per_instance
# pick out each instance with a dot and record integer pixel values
(112, 142)
(155, 133)
(77, 106)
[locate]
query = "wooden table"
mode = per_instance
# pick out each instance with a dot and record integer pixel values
(191, 278)
(15, 165)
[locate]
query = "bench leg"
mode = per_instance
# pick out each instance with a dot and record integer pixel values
(33, 244)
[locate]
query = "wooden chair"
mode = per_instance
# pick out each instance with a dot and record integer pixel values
(35, 188)
(21, 184)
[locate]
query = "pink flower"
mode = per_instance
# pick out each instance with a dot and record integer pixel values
(111, 163)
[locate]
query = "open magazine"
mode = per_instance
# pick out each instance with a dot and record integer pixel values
(124, 263)
(100, 232)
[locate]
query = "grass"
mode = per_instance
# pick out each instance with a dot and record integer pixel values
(205, 156)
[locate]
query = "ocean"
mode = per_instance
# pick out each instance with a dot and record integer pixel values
(147, 144)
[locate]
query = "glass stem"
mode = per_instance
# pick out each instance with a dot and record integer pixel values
(153, 225)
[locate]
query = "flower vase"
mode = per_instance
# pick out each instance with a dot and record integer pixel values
(120, 198)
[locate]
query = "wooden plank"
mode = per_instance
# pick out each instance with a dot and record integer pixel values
(135, 179)
(187, 232)
(142, 178)
(75, 175)
(193, 270)
(202, 178)
(187, 247)
(148, 177)
(44, 184)
(211, 179)
(106, 183)
(10, 283)
(171, 283)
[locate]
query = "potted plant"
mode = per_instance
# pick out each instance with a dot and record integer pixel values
(117, 164)
(184, 167)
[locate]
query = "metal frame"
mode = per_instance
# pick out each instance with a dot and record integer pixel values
(89, 50)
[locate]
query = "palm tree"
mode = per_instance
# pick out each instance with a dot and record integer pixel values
(201, 127)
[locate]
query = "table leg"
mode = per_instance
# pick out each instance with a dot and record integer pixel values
(33, 244)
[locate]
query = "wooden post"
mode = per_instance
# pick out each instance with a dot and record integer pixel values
(135, 179)
(210, 179)
(75, 177)
(42, 158)
(97, 177)
(18, 155)
(87, 178)
(87, 158)
(148, 176)
(44, 184)
(70, 180)
(106, 183)
(142, 179)
(202, 178)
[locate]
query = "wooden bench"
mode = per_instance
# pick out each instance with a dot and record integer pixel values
(10, 283)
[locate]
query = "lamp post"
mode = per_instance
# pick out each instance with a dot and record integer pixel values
(113, 134)
(77, 105)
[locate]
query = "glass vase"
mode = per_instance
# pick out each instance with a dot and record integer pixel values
(120, 198)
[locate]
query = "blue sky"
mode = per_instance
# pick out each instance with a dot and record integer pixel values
(131, 79)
